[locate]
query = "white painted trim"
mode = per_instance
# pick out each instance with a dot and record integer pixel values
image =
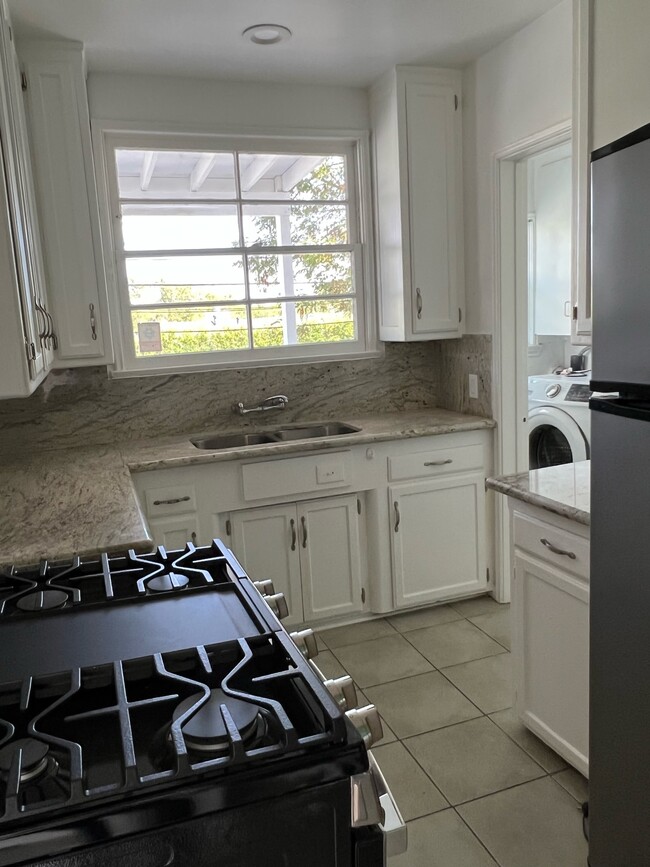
(356, 145)
(581, 148)
(510, 346)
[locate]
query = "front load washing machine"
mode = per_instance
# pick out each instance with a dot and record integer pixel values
(558, 419)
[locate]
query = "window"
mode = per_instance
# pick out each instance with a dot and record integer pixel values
(237, 255)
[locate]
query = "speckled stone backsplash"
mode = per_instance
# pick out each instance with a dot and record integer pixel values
(83, 407)
(456, 359)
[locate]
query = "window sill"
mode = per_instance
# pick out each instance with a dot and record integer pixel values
(251, 364)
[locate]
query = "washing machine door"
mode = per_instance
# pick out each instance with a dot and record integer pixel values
(554, 438)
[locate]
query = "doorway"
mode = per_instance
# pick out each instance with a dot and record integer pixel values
(516, 321)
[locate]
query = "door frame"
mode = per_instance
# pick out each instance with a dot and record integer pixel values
(511, 331)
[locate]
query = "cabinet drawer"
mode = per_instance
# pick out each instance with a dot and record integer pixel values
(552, 544)
(174, 500)
(296, 475)
(435, 462)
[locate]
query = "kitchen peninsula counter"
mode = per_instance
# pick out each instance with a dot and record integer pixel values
(563, 490)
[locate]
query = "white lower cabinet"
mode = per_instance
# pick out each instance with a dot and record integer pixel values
(266, 543)
(310, 550)
(438, 538)
(550, 643)
(174, 533)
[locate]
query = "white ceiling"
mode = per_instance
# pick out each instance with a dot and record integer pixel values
(334, 41)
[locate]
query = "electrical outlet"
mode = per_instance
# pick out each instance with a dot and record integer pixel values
(473, 386)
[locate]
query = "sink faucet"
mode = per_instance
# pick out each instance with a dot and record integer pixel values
(277, 401)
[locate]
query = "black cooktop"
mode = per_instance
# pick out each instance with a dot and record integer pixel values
(121, 676)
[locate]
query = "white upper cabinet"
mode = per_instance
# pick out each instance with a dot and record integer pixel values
(57, 110)
(416, 120)
(27, 332)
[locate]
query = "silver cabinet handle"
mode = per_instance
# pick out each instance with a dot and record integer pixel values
(397, 516)
(42, 332)
(293, 534)
(418, 298)
(551, 547)
(54, 343)
(93, 322)
(304, 531)
(171, 502)
(438, 463)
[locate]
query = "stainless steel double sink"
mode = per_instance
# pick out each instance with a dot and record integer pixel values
(287, 434)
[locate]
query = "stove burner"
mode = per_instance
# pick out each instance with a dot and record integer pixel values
(166, 582)
(206, 730)
(34, 758)
(42, 600)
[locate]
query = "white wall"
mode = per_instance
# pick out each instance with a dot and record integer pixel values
(211, 105)
(620, 68)
(520, 87)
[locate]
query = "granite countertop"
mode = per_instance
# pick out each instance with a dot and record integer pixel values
(563, 490)
(56, 503)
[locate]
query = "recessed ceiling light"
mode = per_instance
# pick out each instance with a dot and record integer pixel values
(267, 34)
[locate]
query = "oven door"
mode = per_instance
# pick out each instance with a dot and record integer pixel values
(309, 827)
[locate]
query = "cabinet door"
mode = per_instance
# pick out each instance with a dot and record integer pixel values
(174, 533)
(433, 155)
(265, 542)
(438, 538)
(330, 556)
(551, 656)
(39, 337)
(60, 128)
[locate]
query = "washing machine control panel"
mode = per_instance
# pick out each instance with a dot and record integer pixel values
(579, 393)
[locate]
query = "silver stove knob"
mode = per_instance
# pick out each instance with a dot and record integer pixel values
(368, 723)
(278, 605)
(306, 642)
(343, 691)
(265, 586)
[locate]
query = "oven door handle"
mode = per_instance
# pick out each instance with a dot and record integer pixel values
(393, 827)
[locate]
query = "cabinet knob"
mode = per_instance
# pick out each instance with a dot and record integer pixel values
(293, 534)
(265, 586)
(306, 642)
(398, 517)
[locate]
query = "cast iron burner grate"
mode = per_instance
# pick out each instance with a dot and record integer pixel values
(101, 732)
(53, 586)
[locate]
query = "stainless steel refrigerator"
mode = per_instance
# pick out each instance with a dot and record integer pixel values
(619, 763)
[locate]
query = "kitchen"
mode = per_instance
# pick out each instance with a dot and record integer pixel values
(94, 463)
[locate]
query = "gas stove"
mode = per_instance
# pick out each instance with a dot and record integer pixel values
(158, 691)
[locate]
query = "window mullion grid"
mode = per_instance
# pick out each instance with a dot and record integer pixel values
(242, 243)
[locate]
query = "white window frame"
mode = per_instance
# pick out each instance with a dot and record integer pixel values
(109, 136)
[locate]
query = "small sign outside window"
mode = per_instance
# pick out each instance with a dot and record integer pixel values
(149, 338)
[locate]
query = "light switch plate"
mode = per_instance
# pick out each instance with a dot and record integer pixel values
(473, 386)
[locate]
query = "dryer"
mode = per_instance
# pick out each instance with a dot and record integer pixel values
(559, 429)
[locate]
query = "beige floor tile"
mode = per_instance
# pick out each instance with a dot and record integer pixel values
(509, 722)
(496, 625)
(575, 784)
(356, 633)
(534, 825)
(442, 840)
(487, 682)
(472, 759)
(414, 792)
(389, 734)
(420, 704)
(453, 643)
(478, 605)
(328, 664)
(381, 660)
(410, 620)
